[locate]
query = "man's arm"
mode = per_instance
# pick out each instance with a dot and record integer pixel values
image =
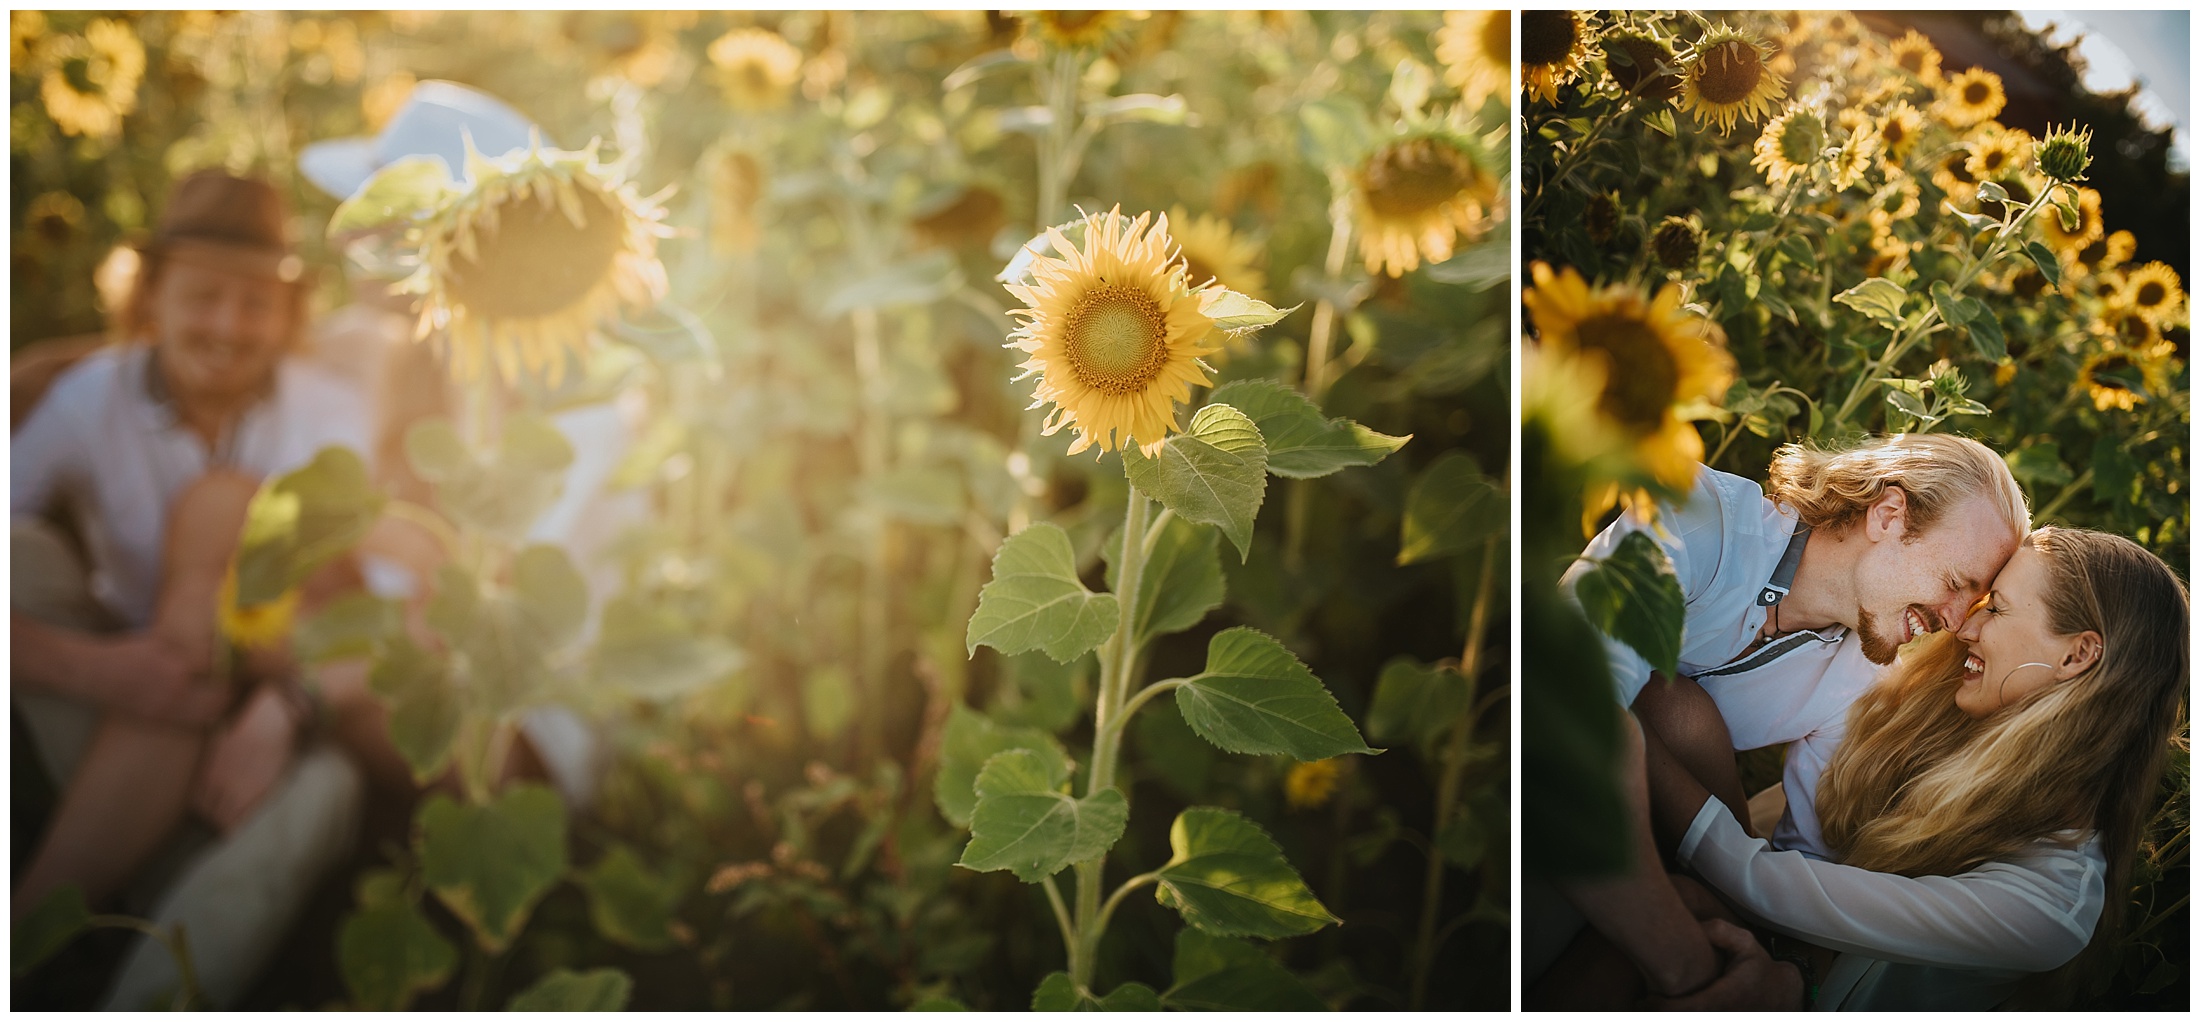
(137, 674)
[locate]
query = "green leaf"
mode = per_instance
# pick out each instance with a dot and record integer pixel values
(2114, 471)
(968, 741)
(1878, 298)
(566, 990)
(1038, 692)
(1255, 697)
(414, 685)
(1142, 107)
(1573, 822)
(490, 864)
(436, 453)
(1335, 132)
(940, 1002)
(302, 520)
(1181, 582)
(1992, 191)
(1301, 443)
(1035, 600)
(388, 953)
(47, 929)
(654, 654)
(2044, 258)
(1798, 251)
(1479, 268)
(1415, 704)
(1228, 877)
(1215, 473)
(503, 495)
(1951, 310)
(1025, 824)
(990, 62)
(551, 595)
(1128, 997)
(1986, 336)
(629, 904)
(2039, 466)
(1976, 222)
(1226, 974)
(828, 701)
(402, 191)
(350, 626)
(1633, 596)
(1451, 508)
(1055, 993)
(1237, 314)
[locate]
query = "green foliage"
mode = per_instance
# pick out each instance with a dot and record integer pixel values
(1633, 596)
(1214, 473)
(1301, 443)
(45, 930)
(489, 864)
(1450, 509)
(566, 990)
(1255, 697)
(1415, 705)
(1036, 602)
(1182, 580)
(967, 742)
(388, 952)
(1228, 878)
(1224, 974)
(501, 492)
(631, 904)
(1024, 823)
(300, 521)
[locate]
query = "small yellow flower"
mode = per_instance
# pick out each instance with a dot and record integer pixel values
(1414, 198)
(1915, 54)
(1213, 253)
(1552, 45)
(260, 625)
(757, 69)
(1853, 159)
(1728, 79)
(2153, 291)
(1971, 97)
(1476, 49)
(90, 81)
(2072, 242)
(1309, 785)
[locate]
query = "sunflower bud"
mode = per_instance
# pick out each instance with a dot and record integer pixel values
(2066, 153)
(1602, 218)
(1676, 243)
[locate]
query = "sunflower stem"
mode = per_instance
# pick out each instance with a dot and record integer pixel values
(871, 456)
(1118, 662)
(1314, 383)
(2076, 486)
(1447, 786)
(1059, 85)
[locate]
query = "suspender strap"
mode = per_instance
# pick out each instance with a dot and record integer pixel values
(1776, 589)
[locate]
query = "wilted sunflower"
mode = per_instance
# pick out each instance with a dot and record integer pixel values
(2152, 291)
(257, 626)
(757, 68)
(1657, 356)
(1078, 30)
(1898, 130)
(1971, 97)
(1114, 335)
(737, 184)
(1790, 144)
(1309, 785)
(1552, 45)
(2000, 154)
(2122, 377)
(2073, 241)
(1727, 78)
(91, 81)
(543, 244)
(1476, 48)
(1915, 54)
(1676, 243)
(1414, 198)
(1641, 64)
(1212, 252)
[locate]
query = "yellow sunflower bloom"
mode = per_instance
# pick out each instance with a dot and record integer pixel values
(542, 246)
(1915, 54)
(757, 68)
(2121, 377)
(1898, 130)
(2108, 253)
(260, 625)
(90, 83)
(1552, 45)
(1114, 335)
(1727, 79)
(1309, 785)
(1952, 174)
(2000, 154)
(1213, 253)
(1657, 355)
(24, 30)
(2071, 242)
(1476, 49)
(2153, 291)
(1898, 200)
(1414, 198)
(1078, 30)
(1790, 144)
(1971, 97)
(1853, 159)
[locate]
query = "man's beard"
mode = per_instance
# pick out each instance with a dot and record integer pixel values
(1876, 648)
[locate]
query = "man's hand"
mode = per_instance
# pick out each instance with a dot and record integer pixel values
(1750, 981)
(245, 761)
(145, 675)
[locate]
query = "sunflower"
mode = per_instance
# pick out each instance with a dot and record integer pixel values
(1114, 335)
(1641, 64)
(1790, 144)
(2107, 253)
(1727, 78)
(1476, 49)
(2073, 241)
(1213, 253)
(24, 30)
(257, 626)
(1414, 198)
(1078, 30)
(2121, 377)
(1971, 97)
(1309, 785)
(1890, 255)
(1915, 54)
(2000, 154)
(639, 46)
(1952, 174)
(525, 281)
(1853, 158)
(1657, 355)
(1552, 45)
(91, 81)
(756, 68)
(2152, 291)
(737, 184)
(1898, 129)
(1898, 200)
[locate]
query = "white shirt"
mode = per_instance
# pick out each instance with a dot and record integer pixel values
(1725, 543)
(104, 449)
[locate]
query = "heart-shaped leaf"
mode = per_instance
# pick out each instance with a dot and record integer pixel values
(967, 742)
(1025, 824)
(1215, 473)
(1451, 508)
(1255, 697)
(1035, 600)
(1181, 582)
(1633, 596)
(566, 990)
(1301, 443)
(490, 864)
(388, 953)
(1227, 877)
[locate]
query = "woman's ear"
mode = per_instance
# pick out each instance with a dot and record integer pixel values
(2084, 651)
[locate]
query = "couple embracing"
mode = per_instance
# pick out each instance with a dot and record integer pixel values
(1959, 818)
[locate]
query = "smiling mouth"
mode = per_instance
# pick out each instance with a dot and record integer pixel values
(1915, 623)
(1974, 666)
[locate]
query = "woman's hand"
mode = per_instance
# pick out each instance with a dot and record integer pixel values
(1750, 980)
(145, 675)
(246, 760)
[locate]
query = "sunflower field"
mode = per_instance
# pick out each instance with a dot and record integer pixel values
(1052, 453)
(1812, 226)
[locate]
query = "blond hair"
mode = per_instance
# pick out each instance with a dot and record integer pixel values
(1920, 788)
(1830, 489)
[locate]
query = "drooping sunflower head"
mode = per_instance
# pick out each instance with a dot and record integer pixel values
(1214, 253)
(1601, 218)
(1657, 357)
(757, 68)
(90, 82)
(1971, 97)
(1915, 55)
(2073, 240)
(1726, 78)
(1552, 45)
(542, 245)
(1898, 130)
(259, 625)
(1078, 30)
(1414, 198)
(1114, 335)
(1676, 243)
(1641, 64)
(737, 184)
(1476, 49)
(1790, 143)
(2153, 291)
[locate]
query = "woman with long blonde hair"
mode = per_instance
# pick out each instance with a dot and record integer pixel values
(1986, 804)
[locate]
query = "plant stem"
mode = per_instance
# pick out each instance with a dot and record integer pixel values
(1108, 910)
(2077, 485)
(1061, 914)
(1118, 659)
(1447, 787)
(871, 457)
(1059, 85)
(1314, 380)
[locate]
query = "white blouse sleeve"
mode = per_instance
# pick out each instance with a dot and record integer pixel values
(2030, 914)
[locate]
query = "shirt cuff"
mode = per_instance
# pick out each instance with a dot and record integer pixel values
(1706, 818)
